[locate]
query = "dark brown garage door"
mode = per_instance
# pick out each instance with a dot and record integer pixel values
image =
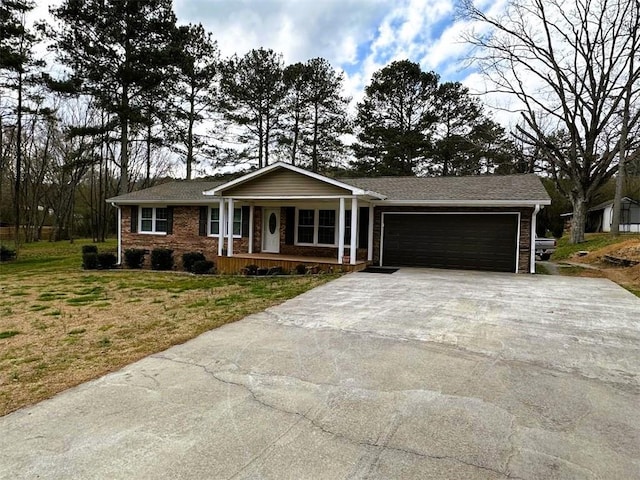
(464, 241)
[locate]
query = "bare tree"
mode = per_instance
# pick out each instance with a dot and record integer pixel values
(568, 65)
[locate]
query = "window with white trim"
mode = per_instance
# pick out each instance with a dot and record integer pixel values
(214, 222)
(316, 227)
(154, 219)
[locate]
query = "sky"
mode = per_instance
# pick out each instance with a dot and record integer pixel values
(355, 36)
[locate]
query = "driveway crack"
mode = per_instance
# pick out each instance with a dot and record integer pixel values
(381, 443)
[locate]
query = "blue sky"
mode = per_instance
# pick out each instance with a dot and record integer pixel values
(356, 36)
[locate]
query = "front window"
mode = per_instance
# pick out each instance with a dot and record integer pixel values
(327, 227)
(306, 226)
(316, 227)
(154, 219)
(214, 222)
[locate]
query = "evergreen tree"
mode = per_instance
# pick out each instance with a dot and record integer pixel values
(465, 140)
(121, 50)
(195, 92)
(394, 120)
(18, 64)
(251, 97)
(316, 113)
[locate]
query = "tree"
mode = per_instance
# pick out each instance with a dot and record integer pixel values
(315, 113)
(567, 63)
(121, 50)
(251, 95)
(18, 62)
(196, 91)
(465, 140)
(394, 120)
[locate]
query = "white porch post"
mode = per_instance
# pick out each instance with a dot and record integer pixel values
(353, 247)
(251, 207)
(119, 234)
(230, 228)
(341, 225)
(220, 227)
(370, 235)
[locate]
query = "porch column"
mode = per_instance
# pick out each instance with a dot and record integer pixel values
(251, 207)
(370, 235)
(230, 228)
(341, 225)
(353, 247)
(221, 226)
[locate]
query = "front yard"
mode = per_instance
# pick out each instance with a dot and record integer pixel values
(61, 326)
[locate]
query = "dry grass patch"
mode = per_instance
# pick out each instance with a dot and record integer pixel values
(59, 330)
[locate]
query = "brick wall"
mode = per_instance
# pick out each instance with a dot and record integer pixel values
(185, 237)
(525, 228)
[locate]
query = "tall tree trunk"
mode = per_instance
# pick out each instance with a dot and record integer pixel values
(260, 141)
(189, 159)
(314, 153)
(147, 180)
(124, 142)
(579, 220)
(266, 140)
(17, 189)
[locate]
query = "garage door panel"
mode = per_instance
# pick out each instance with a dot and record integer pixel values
(462, 241)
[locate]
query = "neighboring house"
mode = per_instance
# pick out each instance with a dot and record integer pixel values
(599, 218)
(283, 215)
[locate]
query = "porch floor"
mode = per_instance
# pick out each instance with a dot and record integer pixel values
(288, 262)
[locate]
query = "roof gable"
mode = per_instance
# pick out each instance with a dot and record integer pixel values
(282, 180)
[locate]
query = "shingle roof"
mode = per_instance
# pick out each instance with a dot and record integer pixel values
(420, 189)
(485, 187)
(172, 192)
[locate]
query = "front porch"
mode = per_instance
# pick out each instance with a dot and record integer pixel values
(288, 263)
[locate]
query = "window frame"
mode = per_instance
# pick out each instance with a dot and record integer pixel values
(316, 227)
(237, 222)
(154, 219)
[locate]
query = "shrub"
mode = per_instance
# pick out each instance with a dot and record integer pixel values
(90, 261)
(107, 260)
(190, 258)
(134, 257)
(89, 249)
(6, 254)
(262, 271)
(250, 270)
(301, 269)
(200, 267)
(162, 259)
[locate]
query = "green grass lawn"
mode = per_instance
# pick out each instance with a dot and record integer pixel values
(593, 241)
(61, 325)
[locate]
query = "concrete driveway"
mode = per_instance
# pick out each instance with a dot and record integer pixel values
(425, 374)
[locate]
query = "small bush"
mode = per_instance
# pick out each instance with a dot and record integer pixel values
(201, 267)
(162, 259)
(250, 270)
(262, 271)
(190, 258)
(107, 260)
(301, 269)
(89, 249)
(134, 257)
(90, 261)
(6, 254)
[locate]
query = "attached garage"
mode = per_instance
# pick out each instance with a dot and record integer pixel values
(475, 241)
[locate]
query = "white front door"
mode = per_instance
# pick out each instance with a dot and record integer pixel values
(271, 230)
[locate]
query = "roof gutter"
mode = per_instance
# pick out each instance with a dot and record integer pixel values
(465, 203)
(534, 218)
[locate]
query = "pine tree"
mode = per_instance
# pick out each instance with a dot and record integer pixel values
(19, 64)
(121, 50)
(251, 95)
(195, 92)
(394, 120)
(316, 113)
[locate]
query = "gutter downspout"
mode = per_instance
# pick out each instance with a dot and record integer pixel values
(119, 232)
(532, 268)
